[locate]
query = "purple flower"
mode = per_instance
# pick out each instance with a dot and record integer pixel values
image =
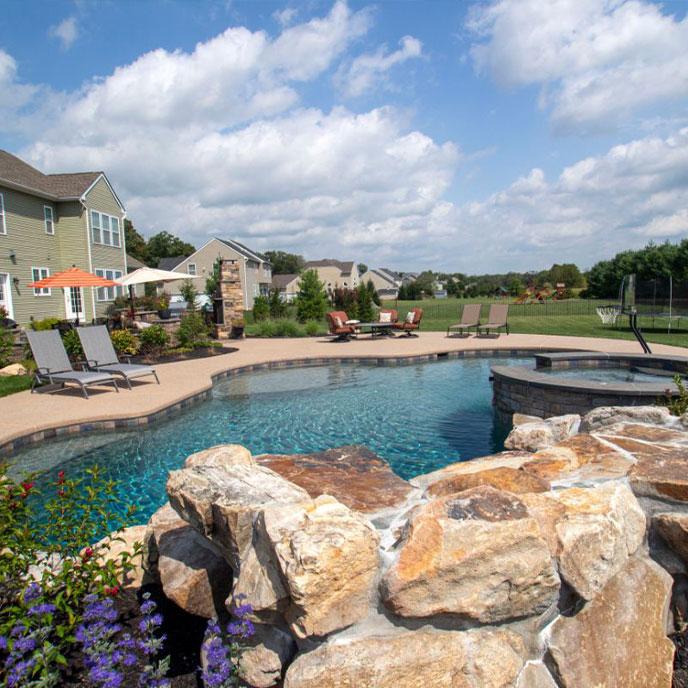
(24, 645)
(32, 592)
(3, 643)
(41, 609)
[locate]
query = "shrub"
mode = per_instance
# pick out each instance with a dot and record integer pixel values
(312, 328)
(153, 340)
(345, 300)
(72, 344)
(261, 308)
(189, 293)
(193, 331)
(278, 308)
(287, 328)
(679, 405)
(45, 324)
(48, 566)
(6, 346)
(364, 303)
(311, 302)
(125, 342)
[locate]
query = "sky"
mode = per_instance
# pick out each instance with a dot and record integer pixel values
(455, 136)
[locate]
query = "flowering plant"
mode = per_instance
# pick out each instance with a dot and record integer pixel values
(48, 566)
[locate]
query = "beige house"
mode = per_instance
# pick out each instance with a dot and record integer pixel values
(287, 285)
(254, 271)
(386, 282)
(48, 223)
(335, 274)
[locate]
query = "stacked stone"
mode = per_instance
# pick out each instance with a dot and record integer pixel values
(529, 568)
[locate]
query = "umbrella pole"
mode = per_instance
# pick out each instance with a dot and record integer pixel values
(131, 300)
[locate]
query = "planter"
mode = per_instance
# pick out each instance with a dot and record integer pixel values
(237, 332)
(164, 314)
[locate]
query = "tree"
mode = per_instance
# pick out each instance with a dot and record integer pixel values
(425, 282)
(346, 300)
(311, 301)
(568, 274)
(136, 244)
(212, 282)
(189, 293)
(284, 263)
(373, 292)
(364, 304)
(278, 308)
(261, 308)
(362, 268)
(166, 245)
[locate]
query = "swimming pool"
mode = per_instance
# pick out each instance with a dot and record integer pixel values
(418, 417)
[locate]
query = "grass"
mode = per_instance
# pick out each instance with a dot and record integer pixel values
(14, 383)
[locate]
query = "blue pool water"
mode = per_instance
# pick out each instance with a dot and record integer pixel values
(417, 417)
(604, 375)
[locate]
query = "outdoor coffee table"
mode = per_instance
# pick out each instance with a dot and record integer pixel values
(377, 329)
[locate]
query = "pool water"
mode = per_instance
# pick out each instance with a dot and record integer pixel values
(604, 375)
(417, 417)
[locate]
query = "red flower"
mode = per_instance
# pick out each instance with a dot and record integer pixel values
(88, 553)
(61, 493)
(113, 591)
(61, 478)
(26, 486)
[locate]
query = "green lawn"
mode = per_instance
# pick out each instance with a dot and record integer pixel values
(14, 383)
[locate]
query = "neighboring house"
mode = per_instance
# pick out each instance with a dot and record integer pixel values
(170, 263)
(335, 273)
(408, 277)
(134, 263)
(386, 282)
(439, 290)
(287, 285)
(48, 223)
(255, 271)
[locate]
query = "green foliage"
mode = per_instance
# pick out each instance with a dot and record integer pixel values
(261, 308)
(679, 405)
(362, 268)
(45, 324)
(125, 342)
(311, 302)
(284, 263)
(189, 293)
(312, 328)
(72, 344)
(10, 384)
(136, 244)
(278, 308)
(212, 283)
(373, 292)
(193, 331)
(346, 300)
(364, 304)
(278, 328)
(153, 340)
(166, 245)
(48, 562)
(6, 346)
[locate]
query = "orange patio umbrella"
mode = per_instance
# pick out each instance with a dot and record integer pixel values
(72, 277)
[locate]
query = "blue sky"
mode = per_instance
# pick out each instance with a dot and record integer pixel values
(455, 136)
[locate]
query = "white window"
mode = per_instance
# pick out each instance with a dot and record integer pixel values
(48, 219)
(191, 268)
(39, 274)
(3, 226)
(105, 229)
(108, 293)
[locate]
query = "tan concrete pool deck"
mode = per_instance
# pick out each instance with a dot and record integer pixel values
(25, 414)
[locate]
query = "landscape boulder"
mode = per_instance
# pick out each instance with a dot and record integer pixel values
(411, 659)
(13, 369)
(673, 529)
(620, 637)
(539, 434)
(477, 554)
(265, 656)
(610, 415)
(224, 456)
(328, 558)
(126, 540)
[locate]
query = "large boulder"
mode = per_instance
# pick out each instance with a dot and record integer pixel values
(503, 478)
(112, 547)
(224, 456)
(620, 637)
(354, 475)
(192, 572)
(13, 369)
(591, 531)
(478, 554)
(265, 655)
(539, 434)
(610, 415)
(328, 558)
(673, 529)
(411, 659)
(535, 675)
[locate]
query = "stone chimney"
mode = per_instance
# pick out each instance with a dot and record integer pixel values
(232, 299)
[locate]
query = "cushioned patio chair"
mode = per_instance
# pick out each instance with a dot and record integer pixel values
(53, 364)
(336, 321)
(384, 317)
(100, 356)
(411, 322)
(470, 317)
(497, 319)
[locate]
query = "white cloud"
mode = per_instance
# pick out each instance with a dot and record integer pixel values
(286, 16)
(597, 61)
(634, 193)
(67, 31)
(367, 71)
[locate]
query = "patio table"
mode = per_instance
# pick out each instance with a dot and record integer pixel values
(377, 329)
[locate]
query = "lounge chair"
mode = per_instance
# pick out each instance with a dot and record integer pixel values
(470, 317)
(496, 319)
(336, 321)
(100, 356)
(411, 323)
(54, 366)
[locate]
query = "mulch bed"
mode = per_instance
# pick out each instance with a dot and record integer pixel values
(203, 352)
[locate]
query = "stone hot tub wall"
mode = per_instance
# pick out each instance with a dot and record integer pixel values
(530, 568)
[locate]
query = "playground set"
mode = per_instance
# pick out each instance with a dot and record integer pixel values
(534, 295)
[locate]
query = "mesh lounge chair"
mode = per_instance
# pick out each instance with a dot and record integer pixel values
(101, 356)
(54, 366)
(470, 317)
(412, 322)
(496, 319)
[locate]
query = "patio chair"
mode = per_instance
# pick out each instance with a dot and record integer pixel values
(393, 316)
(470, 317)
(336, 321)
(496, 319)
(54, 366)
(100, 356)
(411, 323)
